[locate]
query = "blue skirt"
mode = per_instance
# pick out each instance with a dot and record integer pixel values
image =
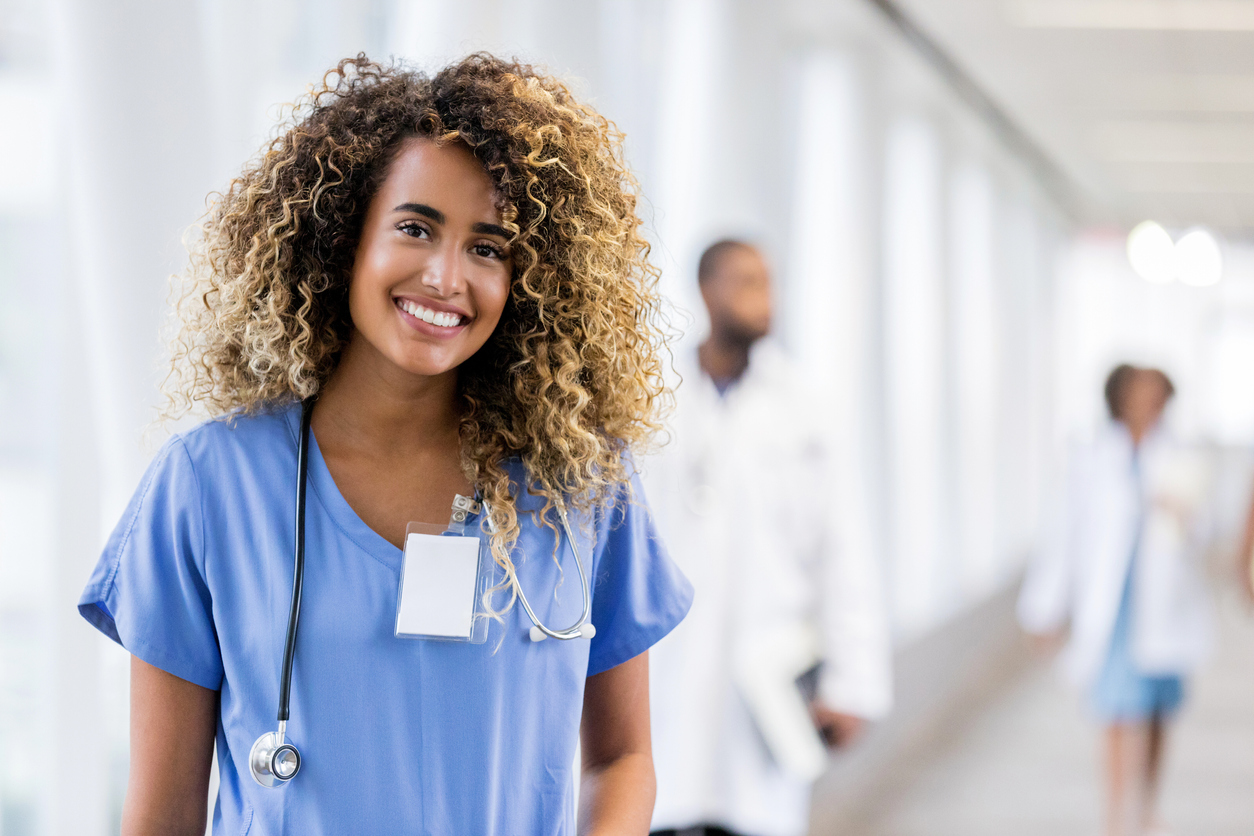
(1122, 693)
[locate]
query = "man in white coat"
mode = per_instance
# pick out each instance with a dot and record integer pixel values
(786, 645)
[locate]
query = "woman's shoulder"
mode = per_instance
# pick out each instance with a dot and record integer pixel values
(256, 435)
(614, 498)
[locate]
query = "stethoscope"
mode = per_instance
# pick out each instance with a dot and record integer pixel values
(273, 761)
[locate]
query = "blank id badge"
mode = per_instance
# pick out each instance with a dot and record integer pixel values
(446, 571)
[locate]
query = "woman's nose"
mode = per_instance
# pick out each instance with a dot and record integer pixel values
(444, 273)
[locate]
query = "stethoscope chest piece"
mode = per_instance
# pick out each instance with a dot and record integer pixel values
(271, 762)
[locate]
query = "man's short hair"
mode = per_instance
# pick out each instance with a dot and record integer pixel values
(713, 257)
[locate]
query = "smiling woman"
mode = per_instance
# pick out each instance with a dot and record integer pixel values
(572, 375)
(427, 300)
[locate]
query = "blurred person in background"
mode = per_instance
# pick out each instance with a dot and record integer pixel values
(1120, 571)
(1245, 557)
(745, 496)
(463, 312)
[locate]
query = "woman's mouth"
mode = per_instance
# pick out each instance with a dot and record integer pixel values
(440, 319)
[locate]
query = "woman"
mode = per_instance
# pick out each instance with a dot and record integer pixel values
(446, 278)
(1120, 570)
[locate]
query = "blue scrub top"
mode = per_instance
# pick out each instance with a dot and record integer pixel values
(397, 735)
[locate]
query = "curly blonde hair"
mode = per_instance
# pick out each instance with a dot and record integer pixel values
(571, 379)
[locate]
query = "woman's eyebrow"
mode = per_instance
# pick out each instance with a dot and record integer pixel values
(438, 216)
(421, 209)
(491, 229)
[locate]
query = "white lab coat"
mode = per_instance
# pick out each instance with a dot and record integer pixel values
(746, 498)
(1078, 576)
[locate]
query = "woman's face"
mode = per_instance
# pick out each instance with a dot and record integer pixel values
(432, 269)
(1143, 402)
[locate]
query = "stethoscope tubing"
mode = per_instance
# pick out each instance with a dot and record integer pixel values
(298, 577)
(580, 628)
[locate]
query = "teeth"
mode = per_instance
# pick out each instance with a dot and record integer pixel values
(438, 318)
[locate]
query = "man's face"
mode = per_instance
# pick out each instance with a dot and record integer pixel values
(738, 296)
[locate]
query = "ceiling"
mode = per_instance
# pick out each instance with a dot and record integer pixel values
(1146, 105)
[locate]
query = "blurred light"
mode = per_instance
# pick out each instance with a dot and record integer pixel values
(1198, 260)
(1151, 253)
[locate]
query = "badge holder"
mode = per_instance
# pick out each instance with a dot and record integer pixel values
(445, 573)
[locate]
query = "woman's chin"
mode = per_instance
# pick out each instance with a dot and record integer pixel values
(426, 362)
(417, 358)
(425, 367)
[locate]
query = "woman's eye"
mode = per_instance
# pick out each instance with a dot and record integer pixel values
(487, 251)
(414, 229)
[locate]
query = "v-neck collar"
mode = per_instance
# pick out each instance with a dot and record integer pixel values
(323, 486)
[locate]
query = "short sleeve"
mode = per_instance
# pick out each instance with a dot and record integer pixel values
(639, 594)
(148, 591)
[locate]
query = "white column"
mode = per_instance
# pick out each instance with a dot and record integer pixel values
(689, 81)
(973, 326)
(76, 797)
(625, 76)
(1021, 373)
(829, 295)
(138, 160)
(829, 247)
(913, 310)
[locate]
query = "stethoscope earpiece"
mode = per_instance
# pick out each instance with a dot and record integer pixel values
(583, 631)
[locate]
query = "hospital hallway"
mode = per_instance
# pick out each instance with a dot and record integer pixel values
(989, 319)
(1023, 760)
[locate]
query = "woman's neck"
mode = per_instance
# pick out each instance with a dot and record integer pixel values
(1139, 431)
(373, 406)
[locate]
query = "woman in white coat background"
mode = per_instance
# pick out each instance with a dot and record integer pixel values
(1121, 571)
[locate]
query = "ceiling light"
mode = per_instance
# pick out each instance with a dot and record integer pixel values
(1198, 259)
(1151, 253)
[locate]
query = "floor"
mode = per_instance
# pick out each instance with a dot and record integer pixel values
(1026, 763)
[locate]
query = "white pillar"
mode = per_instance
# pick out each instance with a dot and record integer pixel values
(830, 269)
(829, 296)
(973, 326)
(75, 800)
(140, 165)
(138, 161)
(1022, 375)
(684, 132)
(914, 360)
